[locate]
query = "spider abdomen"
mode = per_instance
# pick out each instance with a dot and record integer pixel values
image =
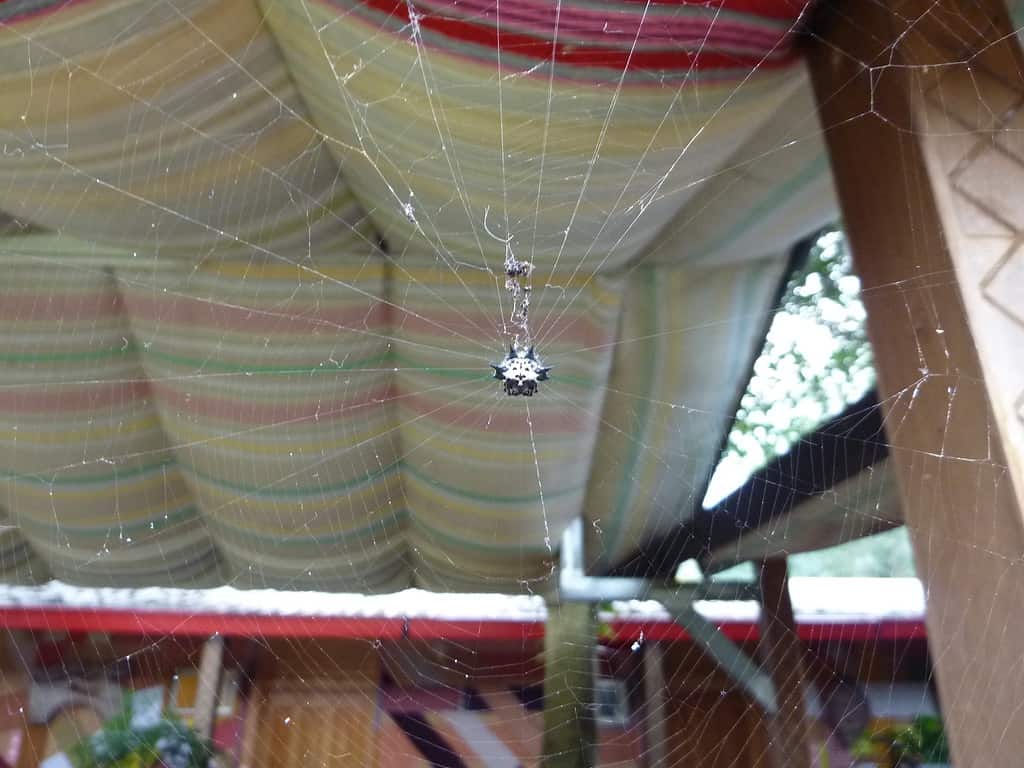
(520, 372)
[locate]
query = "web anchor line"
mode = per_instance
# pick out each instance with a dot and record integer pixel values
(521, 371)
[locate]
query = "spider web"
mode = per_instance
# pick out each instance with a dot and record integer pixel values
(251, 296)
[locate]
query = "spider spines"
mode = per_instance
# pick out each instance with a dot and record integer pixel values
(521, 371)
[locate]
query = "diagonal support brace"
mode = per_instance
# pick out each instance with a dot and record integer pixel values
(576, 586)
(730, 657)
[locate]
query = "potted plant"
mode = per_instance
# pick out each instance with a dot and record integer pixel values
(905, 746)
(122, 743)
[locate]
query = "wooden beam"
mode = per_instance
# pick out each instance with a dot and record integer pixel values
(33, 745)
(835, 452)
(781, 653)
(655, 707)
(570, 732)
(863, 505)
(919, 100)
(208, 687)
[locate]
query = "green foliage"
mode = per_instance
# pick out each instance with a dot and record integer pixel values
(168, 742)
(923, 741)
(884, 555)
(604, 629)
(816, 358)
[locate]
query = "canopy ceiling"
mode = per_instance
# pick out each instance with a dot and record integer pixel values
(249, 301)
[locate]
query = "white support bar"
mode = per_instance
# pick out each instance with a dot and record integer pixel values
(575, 586)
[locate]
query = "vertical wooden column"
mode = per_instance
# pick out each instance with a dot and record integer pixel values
(33, 746)
(570, 732)
(15, 685)
(655, 706)
(921, 103)
(208, 689)
(782, 655)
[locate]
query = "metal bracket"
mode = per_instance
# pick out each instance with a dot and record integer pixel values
(576, 586)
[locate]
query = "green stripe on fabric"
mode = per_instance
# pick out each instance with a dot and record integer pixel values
(648, 332)
(188, 362)
(291, 493)
(111, 477)
(118, 350)
(406, 467)
(204, 364)
(540, 549)
(395, 519)
(106, 477)
(167, 520)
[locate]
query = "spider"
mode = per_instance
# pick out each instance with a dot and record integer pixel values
(520, 371)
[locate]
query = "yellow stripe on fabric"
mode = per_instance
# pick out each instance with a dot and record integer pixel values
(446, 489)
(365, 498)
(155, 486)
(371, 269)
(168, 519)
(388, 523)
(274, 444)
(414, 278)
(489, 518)
(486, 448)
(134, 60)
(512, 549)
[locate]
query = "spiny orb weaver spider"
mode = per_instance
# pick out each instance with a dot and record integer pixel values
(520, 372)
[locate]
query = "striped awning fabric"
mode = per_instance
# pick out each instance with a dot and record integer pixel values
(249, 297)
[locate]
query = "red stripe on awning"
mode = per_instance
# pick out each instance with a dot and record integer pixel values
(119, 621)
(575, 54)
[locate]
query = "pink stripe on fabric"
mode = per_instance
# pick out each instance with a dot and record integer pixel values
(499, 421)
(74, 397)
(539, 18)
(281, 411)
(578, 330)
(31, 307)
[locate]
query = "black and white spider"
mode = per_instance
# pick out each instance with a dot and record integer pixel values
(520, 372)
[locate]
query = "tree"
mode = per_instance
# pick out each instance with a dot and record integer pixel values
(816, 360)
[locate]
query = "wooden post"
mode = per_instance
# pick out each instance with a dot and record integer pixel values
(208, 686)
(782, 657)
(655, 706)
(921, 102)
(570, 732)
(33, 746)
